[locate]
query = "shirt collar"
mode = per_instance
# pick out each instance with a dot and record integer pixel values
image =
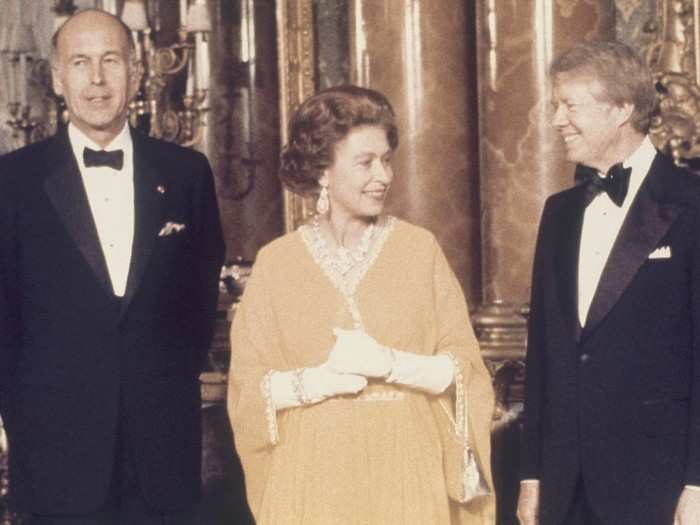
(79, 141)
(640, 161)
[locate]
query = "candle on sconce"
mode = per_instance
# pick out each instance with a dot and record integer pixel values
(21, 44)
(134, 15)
(198, 19)
(8, 66)
(199, 23)
(110, 6)
(183, 13)
(202, 60)
(137, 45)
(12, 79)
(189, 88)
(23, 80)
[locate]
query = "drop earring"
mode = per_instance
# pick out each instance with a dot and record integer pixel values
(322, 204)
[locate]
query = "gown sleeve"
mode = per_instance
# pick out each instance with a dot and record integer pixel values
(256, 351)
(466, 410)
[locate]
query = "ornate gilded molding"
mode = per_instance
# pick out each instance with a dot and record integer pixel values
(295, 49)
(502, 332)
(674, 62)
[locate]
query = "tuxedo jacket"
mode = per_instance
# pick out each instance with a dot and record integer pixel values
(78, 365)
(617, 401)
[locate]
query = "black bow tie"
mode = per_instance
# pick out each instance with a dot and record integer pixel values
(111, 159)
(615, 183)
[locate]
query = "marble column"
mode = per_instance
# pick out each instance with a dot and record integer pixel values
(419, 54)
(521, 162)
(243, 131)
(331, 33)
(521, 157)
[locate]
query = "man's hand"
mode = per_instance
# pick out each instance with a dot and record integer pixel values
(529, 502)
(688, 508)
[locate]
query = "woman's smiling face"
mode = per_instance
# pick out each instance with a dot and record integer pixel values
(360, 176)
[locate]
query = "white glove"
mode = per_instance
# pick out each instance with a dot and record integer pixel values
(430, 373)
(355, 352)
(310, 385)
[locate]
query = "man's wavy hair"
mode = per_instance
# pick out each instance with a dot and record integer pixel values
(623, 75)
(321, 122)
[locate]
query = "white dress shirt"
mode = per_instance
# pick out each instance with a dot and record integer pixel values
(602, 221)
(110, 193)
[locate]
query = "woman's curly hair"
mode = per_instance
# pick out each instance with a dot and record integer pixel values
(321, 122)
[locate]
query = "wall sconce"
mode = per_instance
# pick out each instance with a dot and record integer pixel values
(179, 121)
(189, 53)
(30, 117)
(20, 55)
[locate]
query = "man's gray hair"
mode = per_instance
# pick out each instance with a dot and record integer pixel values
(621, 72)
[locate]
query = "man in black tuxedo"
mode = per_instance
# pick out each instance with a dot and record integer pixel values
(612, 396)
(110, 250)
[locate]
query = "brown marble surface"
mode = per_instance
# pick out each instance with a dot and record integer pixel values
(420, 55)
(243, 141)
(521, 158)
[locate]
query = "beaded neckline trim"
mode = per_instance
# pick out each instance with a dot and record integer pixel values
(345, 283)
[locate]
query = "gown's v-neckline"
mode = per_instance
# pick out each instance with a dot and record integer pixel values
(346, 285)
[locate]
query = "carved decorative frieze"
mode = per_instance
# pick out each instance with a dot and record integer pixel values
(674, 61)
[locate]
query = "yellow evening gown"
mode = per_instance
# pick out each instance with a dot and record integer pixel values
(371, 459)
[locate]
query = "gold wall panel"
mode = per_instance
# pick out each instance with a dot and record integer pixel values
(295, 53)
(674, 61)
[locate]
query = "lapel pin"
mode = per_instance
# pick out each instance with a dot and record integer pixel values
(160, 189)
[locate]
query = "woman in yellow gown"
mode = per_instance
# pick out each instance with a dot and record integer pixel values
(357, 391)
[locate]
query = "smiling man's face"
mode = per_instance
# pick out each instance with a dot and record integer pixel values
(589, 125)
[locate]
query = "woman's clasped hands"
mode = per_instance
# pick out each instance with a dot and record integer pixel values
(354, 358)
(356, 352)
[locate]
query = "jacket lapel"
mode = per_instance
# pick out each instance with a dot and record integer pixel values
(647, 221)
(65, 189)
(148, 206)
(566, 258)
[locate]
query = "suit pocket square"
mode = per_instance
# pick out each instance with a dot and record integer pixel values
(170, 228)
(662, 252)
